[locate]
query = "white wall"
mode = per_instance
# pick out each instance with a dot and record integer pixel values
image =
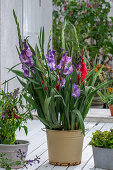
(37, 13)
(8, 40)
(32, 14)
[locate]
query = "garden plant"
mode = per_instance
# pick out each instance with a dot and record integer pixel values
(13, 115)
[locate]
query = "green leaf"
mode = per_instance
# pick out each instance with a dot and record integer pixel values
(18, 29)
(8, 80)
(10, 69)
(77, 112)
(19, 73)
(26, 130)
(74, 76)
(8, 168)
(21, 82)
(102, 96)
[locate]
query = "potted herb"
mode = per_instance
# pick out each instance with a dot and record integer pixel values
(13, 116)
(61, 93)
(102, 144)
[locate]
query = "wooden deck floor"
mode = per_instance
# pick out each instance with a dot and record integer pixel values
(38, 146)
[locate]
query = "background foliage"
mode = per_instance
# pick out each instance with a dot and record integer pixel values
(94, 27)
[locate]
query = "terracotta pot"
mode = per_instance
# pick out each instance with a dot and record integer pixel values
(65, 147)
(111, 109)
(11, 150)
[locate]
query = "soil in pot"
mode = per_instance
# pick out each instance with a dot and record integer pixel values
(65, 147)
(11, 150)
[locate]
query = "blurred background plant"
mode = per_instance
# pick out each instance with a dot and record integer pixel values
(14, 113)
(105, 75)
(93, 24)
(107, 95)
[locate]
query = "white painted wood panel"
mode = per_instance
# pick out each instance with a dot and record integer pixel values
(8, 39)
(37, 13)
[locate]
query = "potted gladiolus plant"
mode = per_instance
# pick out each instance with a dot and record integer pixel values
(61, 93)
(13, 116)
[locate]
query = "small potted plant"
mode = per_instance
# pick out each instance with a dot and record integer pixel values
(13, 116)
(102, 145)
(61, 93)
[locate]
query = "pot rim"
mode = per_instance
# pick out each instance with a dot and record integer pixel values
(102, 148)
(64, 131)
(26, 143)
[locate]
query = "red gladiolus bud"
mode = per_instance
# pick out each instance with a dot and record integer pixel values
(59, 73)
(58, 87)
(16, 116)
(45, 87)
(42, 82)
(45, 77)
(83, 71)
(60, 78)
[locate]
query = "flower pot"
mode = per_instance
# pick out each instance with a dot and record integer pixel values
(103, 157)
(97, 102)
(11, 150)
(111, 109)
(65, 147)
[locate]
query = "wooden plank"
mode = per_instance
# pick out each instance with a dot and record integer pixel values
(40, 152)
(89, 134)
(46, 166)
(60, 168)
(100, 169)
(89, 126)
(36, 143)
(89, 164)
(33, 126)
(107, 127)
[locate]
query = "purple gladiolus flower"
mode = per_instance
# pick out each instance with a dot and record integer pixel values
(26, 73)
(65, 63)
(76, 91)
(26, 60)
(77, 63)
(50, 59)
(3, 116)
(68, 70)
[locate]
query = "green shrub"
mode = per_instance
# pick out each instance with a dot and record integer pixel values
(102, 139)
